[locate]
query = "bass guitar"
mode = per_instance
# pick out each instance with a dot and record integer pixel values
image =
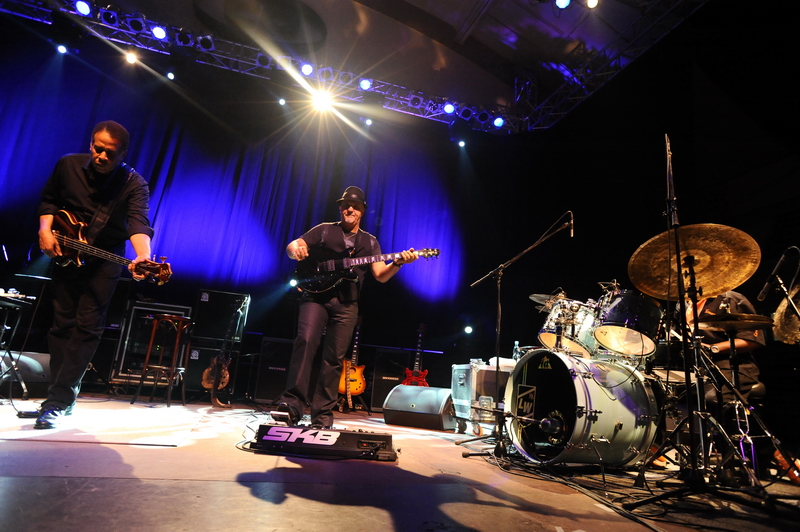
(352, 381)
(416, 376)
(318, 276)
(69, 235)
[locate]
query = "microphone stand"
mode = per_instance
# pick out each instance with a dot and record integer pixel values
(499, 414)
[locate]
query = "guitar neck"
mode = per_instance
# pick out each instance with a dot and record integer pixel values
(349, 262)
(90, 250)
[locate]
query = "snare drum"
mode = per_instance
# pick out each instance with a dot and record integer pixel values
(586, 411)
(628, 323)
(576, 321)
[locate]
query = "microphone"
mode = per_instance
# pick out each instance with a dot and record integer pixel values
(571, 225)
(768, 285)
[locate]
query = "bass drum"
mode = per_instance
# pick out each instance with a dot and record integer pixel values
(573, 410)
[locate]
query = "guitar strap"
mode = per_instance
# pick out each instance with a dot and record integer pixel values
(102, 215)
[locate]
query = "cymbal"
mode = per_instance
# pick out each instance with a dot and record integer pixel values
(787, 324)
(728, 322)
(542, 299)
(724, 258)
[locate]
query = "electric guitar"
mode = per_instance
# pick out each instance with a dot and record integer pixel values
(416, 377)
(69, 235)
(318, 276)
(352, 381)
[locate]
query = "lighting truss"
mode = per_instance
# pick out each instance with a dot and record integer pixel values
(585, 71)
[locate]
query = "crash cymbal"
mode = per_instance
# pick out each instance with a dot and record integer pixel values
(543, 299)
(723, 258)
(787, 324)
(728, 322)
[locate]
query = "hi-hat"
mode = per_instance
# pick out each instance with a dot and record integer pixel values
(787, 324)
(728, 322)
(722, 258)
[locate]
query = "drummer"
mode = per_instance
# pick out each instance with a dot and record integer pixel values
(717, 345)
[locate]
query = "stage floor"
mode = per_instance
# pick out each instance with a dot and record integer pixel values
(117, 467)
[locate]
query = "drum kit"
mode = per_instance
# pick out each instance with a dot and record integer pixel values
(584, 396)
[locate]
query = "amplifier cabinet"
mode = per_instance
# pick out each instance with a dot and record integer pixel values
(471, 382)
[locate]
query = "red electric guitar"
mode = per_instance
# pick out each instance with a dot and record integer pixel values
(416, 376)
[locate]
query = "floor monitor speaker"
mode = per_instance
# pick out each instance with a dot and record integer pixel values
(420, 406)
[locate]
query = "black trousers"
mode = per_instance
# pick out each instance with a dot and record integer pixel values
(337, 321)
(81, 296)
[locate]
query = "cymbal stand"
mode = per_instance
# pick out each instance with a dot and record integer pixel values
(499, 419)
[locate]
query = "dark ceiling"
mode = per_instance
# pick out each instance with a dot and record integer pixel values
(525, 59)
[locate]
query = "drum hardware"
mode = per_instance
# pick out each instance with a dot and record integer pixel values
(499, 428)
(787, 317)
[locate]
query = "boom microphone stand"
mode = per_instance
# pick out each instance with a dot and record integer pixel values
(499, 414)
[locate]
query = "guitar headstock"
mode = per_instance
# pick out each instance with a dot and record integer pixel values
(427, 253)
(155, 272)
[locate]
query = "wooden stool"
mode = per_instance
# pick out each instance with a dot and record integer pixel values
(173, 369)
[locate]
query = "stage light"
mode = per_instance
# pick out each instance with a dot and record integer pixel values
(346, 78)
(171, 76)
(322, 100)
(205, 43)
(282, 101)
(159, 31)
(61, 49)
(465, 113)
(483, 116)
(365, 84)
(461, 143)
(368, 121)
(416, 101)
(591, 4)
(263, 60)
(131, 58)
(184, 38)
(109, 16)
(307, 69)
(468, 329)
(562, 4)
(449, 108)
(83, 8)
(137, 23)
(293, 283)
(499, 122)
(324, 74)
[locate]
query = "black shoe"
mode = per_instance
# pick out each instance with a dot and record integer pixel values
(51, 417)
(33, 414)
(287, 414)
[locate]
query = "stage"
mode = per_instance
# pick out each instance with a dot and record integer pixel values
(117, 466)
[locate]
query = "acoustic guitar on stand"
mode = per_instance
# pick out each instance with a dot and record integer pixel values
(69, 235)
(416, 376)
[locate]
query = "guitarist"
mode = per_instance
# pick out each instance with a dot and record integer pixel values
(333, 311)
(100, 190)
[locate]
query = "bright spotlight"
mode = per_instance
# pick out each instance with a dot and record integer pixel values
(159, 32)
(61, 49)
(449, 108)
(591, 4)
(461, 143)
(130, 57)
(562, 4)
(322, 100)
(171, 76)
(499, 122)
(83, 8)
(368, 121)
(307, 69)
(282, 101)
(293, 283)
(365, 84)
(468, 329)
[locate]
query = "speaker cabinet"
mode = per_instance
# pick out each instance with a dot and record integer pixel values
(420, 406)
(218, 312)
(389, 371)
(273, 369)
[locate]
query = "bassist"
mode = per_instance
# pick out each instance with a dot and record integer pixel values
(333, 311)
(112, 199)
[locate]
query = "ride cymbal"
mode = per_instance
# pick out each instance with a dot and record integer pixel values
(723, 258)
(728, 322)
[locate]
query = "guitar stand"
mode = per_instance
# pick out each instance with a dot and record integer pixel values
(359, 398)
